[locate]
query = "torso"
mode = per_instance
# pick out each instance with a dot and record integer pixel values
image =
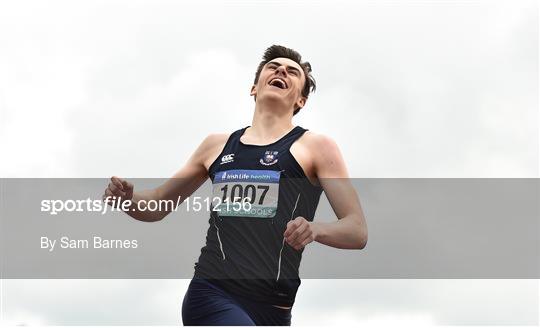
(303, 150)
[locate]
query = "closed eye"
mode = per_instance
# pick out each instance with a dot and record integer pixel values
(291, 70)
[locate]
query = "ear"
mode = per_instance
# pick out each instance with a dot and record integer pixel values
(253, 91)
(301, 102)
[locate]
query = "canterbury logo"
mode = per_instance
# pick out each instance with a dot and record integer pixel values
(227, 159)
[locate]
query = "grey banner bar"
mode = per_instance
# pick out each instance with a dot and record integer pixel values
(418, 228)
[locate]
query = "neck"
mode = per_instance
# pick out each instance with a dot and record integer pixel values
(270, 121)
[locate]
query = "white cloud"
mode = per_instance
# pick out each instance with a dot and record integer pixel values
(424, 90)
(93, 302)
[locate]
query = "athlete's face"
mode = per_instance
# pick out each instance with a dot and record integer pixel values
(281, 79)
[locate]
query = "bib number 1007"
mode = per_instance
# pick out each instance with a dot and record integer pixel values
(255, 191)
(248, 193)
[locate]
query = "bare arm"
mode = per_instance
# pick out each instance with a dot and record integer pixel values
(182, 184)
(350, 230)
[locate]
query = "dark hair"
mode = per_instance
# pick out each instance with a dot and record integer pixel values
(276, 51)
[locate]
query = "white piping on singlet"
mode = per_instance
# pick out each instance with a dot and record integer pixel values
(218, 237)
(283, 241)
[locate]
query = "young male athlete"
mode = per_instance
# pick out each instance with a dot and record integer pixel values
(247, 273)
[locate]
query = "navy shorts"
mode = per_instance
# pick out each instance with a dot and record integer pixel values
(206, 304)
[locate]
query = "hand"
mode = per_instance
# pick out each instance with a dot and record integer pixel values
(118, 188)
(299, 233)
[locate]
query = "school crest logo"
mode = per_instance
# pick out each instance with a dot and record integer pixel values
(269, 158)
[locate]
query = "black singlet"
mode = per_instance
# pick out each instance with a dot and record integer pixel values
(245, 252)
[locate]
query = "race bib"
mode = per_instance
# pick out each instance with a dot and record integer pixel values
(249, 193)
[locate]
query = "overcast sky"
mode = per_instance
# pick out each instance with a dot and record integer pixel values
(406, 88)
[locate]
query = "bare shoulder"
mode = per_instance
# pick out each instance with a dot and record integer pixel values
(322, 148)
(308, 151)
(319, 155)
(318, 141)
(215, 139)
(212, 146)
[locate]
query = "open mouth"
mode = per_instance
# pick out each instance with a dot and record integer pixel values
(278, 83)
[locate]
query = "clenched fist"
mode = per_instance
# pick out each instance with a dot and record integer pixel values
(299, 233)
(118, 188)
